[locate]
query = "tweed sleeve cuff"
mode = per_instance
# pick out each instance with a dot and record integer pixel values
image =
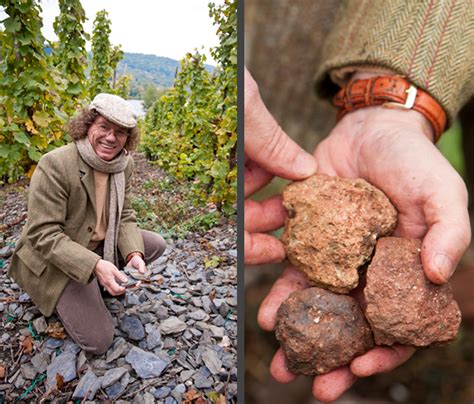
(431, 43)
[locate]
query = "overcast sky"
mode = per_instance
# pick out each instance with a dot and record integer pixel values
(159, 27)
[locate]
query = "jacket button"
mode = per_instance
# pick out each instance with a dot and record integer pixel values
(89, 229)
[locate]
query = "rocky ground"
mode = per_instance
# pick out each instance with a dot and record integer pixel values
(175, 338)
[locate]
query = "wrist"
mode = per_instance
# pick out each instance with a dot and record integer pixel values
(377, 118)
(394, 93)
(133, 254)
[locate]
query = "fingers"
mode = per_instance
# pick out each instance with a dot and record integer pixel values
(290, 280)
(120, 275)
(138, 263)
(279, 368)
(266, 143)
(332, 385)
(255, 178)
(262, 249)
(381, 359)
(448, 236)
(264, 216)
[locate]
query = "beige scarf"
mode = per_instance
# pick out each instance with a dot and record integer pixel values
(115, 167)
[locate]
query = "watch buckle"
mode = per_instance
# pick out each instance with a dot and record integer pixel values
(409, 102)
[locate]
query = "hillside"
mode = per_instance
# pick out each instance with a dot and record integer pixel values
(146, 69)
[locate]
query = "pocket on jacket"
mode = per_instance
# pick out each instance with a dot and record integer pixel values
(32, 259)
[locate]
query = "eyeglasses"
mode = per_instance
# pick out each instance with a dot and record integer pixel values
(106, 129)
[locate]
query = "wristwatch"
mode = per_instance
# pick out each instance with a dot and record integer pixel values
(390, 92)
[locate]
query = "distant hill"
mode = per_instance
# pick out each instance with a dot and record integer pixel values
(146, 69)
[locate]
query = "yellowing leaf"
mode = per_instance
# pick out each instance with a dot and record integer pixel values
(31, 171)
(31, 127)
(41, 118)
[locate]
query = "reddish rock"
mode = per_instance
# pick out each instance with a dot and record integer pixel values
(332, 227)
(320, 331)
(402, 305)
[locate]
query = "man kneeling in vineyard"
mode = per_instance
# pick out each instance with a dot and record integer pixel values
(81, 227)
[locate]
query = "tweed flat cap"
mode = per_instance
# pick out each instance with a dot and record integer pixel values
(115, 109)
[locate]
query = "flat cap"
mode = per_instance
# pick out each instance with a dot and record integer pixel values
(115, 109)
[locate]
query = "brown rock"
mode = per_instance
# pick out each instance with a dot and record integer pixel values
(403, 306)
(332, 227)
(320, 331)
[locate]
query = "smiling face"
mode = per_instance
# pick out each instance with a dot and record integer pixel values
(107, 139)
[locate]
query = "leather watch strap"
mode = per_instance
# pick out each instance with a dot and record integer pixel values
(391, 92)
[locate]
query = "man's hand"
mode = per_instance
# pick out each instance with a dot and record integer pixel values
(137, 262)
(268, 152)
(107, 275)
(393, 150)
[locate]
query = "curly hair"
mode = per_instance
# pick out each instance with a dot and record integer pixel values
(80, 124)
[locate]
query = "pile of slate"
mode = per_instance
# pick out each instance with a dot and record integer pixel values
(175, 338)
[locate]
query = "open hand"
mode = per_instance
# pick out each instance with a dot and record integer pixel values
(393, 150)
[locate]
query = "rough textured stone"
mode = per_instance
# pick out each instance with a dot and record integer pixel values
(133, 327)
(320, 331)
(112, 376)
(172, 325)
(332, 227)
(64, 365)
(402, 305)
(212, 361)
(88, 385)
(119, 347)
(145, 364)
(115, 390)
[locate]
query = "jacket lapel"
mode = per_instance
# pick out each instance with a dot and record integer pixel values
(87, 177)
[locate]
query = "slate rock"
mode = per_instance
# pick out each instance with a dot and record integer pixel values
(65, 365)
(112, 376)
(172, 325)
(6, 251)
(153, 339)
(53, 343)
(24, 297)
(119, 347)
(146, 364)
(28, 371)
(186, 375)
(198, 315)
(332, 227)
(201, 381)
(40, 361)
(178, 391)
(320, 331)
(403, 306)
(115, 390)
(40, 325)
(133, 327)
(148, 398)
(161, 392)
(217, 332)
(87, 386)
(212, 361)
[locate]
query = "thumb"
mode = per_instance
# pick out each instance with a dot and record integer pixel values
(445, 243)
(267, 144)
(120, 276)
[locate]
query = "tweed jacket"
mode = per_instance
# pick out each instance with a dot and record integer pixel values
(60, 223)
(293, 46)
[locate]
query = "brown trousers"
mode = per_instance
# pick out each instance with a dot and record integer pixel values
(82, 310)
